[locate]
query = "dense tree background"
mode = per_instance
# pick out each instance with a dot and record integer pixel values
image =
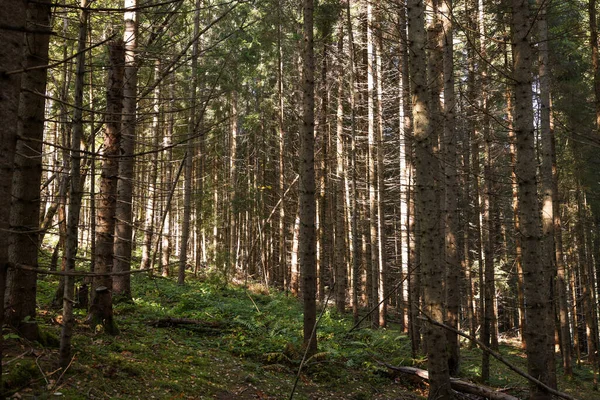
(419, 162)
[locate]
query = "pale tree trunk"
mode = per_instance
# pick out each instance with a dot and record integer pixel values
(371, 172)
(13, 15)
(562, 278)
(515, 211)
(74, 193)
(473, 168)
(233, 207)
(340, 264)
(124, 216)
(404, 125)
(188, 168)
(382, 258)
(101, 310)
(166, 246)
(587, 285)
(152, 193)
(306, 238)
(428, 206)
(539, 330)
(452, 194)
(20, 297)
(283, 278)
(408, 219)
(352, 195)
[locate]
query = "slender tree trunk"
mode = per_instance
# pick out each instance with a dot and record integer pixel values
(547, 138)
(74, 192)
(595, 57)
(452, 194)
(152, 192)
(20, 297)
(428, 211)
(340, 264)
(539, 330)
(188, 168)
(371, 172)
(382, 258)
(101, 311)
(353, 195)
(307, 212)
(124, 228)
(284, 279)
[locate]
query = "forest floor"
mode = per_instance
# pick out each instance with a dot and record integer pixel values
(206, 341)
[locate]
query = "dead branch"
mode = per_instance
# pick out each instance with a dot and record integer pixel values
(456, 384)
(500, 358)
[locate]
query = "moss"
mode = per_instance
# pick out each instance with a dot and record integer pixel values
(19, 375)
(48, 339)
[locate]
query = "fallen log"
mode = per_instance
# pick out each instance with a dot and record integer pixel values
(456, 384)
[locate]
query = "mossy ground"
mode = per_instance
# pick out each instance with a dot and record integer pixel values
(246, 345)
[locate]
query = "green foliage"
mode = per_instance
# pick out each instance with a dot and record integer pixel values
(19, 375)
(240, 339)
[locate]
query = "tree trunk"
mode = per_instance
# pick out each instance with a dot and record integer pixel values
(11, 56)
(188, 169)
(124, 228)
(307, 238)
(101, 312)
(71, 244)
(20, 297)
(147, 261)
(539, 330)
(452, 213)
(428, 206)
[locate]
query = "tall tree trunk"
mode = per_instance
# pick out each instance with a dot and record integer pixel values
(307, 238)
(20, 297)
(124, 216)
(101, 311)
(11, 56)
(282, 248)
(188, 169)
(593, 18)
(547, 138)
(352, 196)
(371, 172)
(71, 244)
(428, 206)
(340, 264)
(452, 213)
(539, 330)
(382, 258)
(156, 131)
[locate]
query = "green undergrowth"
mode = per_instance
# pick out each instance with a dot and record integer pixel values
(205, 341)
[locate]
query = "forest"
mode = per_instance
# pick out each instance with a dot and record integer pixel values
(361, 199)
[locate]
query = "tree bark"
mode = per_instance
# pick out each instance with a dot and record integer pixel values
(452, 213)
(71, 244)
(428, 206)
(14, 14)
(307, 238)
(539, 332)
(20, 297)
(124, 228)
(101, 311)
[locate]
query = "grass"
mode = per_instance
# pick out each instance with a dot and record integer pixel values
(247, 344)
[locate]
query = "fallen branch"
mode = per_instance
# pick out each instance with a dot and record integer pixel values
(456, 384)
(499, 358)
(173, 322)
